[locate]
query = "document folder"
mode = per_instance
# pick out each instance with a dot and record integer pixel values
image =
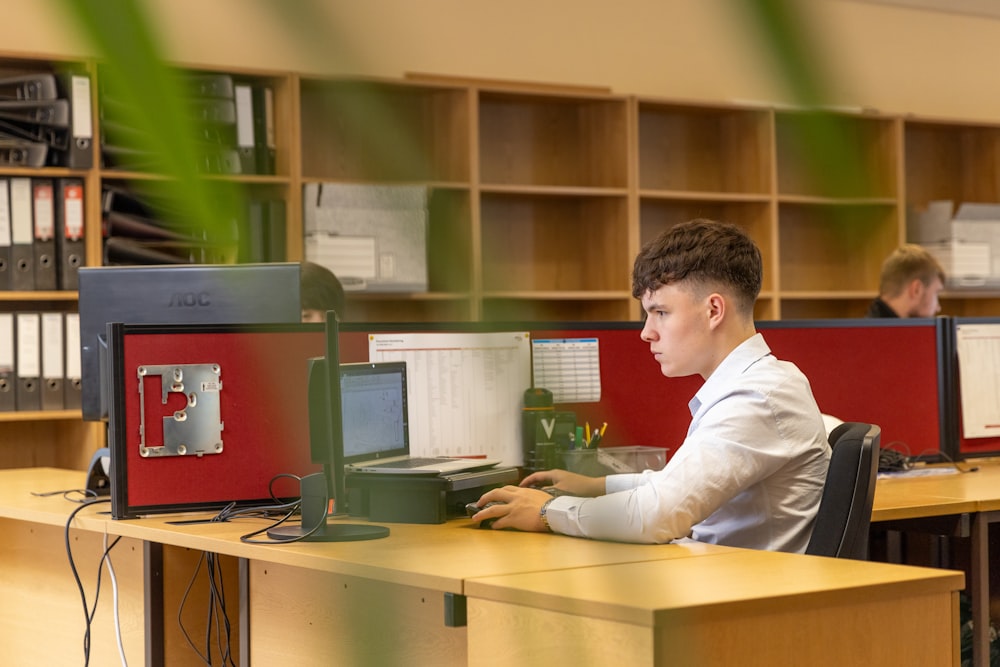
(277, 232)
(252, 245)
(213, 110)
(22, 153)
(119, 250)
(264, 137)
(70, 231)
(72, 386)
(6, 269)
(209, 84)
(8, 381)
(55, 139)
(53, 368)
(245, 142)
(37, 86)
(79, 150)
(28, 363)
(22, 233)
(44, 242)
(50, 112)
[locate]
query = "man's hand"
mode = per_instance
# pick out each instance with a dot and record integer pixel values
(567, 483)
(517, 507)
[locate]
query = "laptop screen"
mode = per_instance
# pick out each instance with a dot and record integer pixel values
(373, 396)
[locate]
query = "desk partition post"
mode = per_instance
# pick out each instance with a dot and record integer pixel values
(981, 594)
(244, 582)
(152, 559)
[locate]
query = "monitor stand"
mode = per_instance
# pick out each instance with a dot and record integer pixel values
(315, 527)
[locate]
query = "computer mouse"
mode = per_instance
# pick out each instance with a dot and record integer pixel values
(472, 508)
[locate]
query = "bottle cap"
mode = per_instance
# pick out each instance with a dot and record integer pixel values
(536, 397)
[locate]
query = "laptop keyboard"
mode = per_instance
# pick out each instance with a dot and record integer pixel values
(412, 462)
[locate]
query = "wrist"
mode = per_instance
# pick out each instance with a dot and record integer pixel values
(543, 514)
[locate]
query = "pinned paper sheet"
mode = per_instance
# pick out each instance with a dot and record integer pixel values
(464, 390)
(979, 378)
(568, 367)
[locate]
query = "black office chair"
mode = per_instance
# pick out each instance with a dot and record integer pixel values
(845, 510)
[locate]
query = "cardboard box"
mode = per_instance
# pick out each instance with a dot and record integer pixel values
(373, 237)
(966, 264)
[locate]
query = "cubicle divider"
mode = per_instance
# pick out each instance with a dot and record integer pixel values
(640, 406)
(230, 426)
(895, 373)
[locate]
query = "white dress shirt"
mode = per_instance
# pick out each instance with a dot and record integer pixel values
(750, 472)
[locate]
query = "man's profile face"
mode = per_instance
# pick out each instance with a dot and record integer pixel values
(927, 304)
(677, 330)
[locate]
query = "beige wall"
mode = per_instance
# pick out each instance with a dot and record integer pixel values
(893, 59)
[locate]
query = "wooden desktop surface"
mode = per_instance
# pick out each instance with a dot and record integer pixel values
(779, 608)
(433, 556)
(386, 598)
(938, 495)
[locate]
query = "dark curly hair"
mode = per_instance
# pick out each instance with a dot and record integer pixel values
(321, 290)
(705, 254)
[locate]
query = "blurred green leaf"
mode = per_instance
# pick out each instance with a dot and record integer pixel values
(787, 36)
(155, 107)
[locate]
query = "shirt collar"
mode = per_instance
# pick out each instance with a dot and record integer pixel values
(736, 363)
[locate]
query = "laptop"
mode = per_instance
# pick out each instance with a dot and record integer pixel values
(376, 428)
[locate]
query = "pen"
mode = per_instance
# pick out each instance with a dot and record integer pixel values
(604, 427)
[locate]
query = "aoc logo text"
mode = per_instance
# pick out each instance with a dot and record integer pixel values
(189, 300)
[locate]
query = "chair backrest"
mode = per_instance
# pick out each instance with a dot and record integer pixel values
(845, 510)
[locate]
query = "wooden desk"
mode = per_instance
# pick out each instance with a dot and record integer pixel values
(348, 602)
(384, 602)
(956, 504)
(42, 616)
(738, 608)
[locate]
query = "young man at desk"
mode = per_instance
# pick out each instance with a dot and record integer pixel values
(750, 472)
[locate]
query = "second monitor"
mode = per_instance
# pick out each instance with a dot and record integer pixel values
(189, 294)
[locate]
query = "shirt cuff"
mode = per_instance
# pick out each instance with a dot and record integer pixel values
(560, 514)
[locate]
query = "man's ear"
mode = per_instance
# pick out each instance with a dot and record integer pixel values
(914, 290)
(716, 309)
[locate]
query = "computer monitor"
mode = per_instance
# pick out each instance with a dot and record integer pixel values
(186, 294)
(326, 438)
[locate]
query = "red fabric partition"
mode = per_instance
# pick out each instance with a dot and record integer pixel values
(263, 406)
(891, 373)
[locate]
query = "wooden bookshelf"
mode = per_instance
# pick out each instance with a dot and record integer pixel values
(539, 197)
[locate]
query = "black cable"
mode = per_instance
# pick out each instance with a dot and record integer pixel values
(891, 460)
(88, 494)
(87, 614)
(180, 611)
(957, 467)
(216, 614)
(219, 587)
